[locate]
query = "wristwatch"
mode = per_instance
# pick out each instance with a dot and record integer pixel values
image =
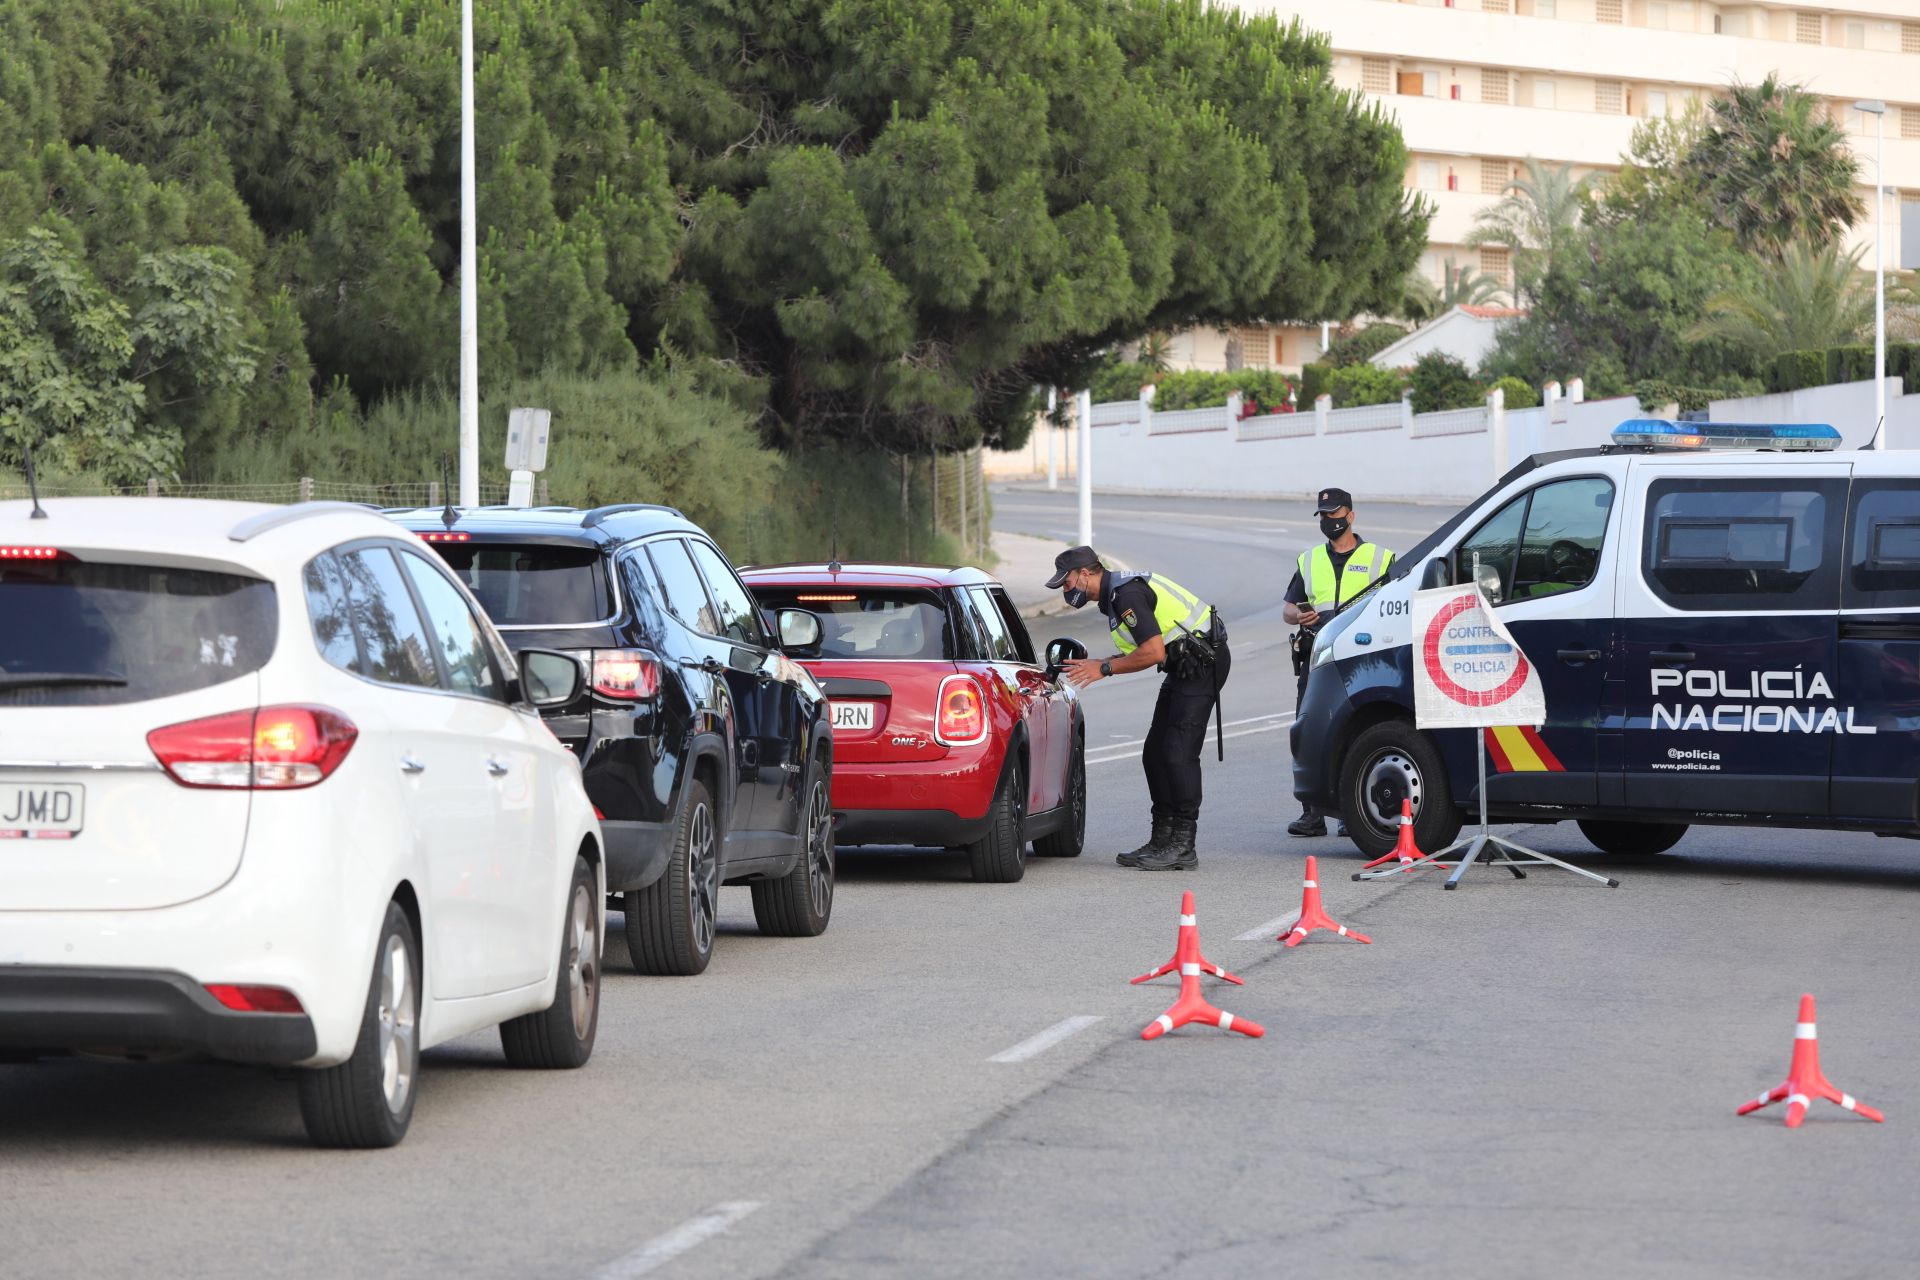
(1106, 666)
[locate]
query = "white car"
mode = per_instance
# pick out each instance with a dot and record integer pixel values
(272, 789)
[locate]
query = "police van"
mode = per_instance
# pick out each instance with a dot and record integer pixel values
(1725, 619)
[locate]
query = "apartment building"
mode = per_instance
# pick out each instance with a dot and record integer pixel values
(1479, 85)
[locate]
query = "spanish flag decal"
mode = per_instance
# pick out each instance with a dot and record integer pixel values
(1521, 749)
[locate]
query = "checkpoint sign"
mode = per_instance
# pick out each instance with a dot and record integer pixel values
(1467, 670)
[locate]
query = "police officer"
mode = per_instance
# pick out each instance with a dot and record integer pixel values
(1156, 622)
(1327, 578)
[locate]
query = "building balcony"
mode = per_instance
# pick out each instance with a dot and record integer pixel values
(1381, 28)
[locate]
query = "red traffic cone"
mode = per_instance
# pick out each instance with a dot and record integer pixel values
(1313, 915)
(1192, 1006)
(1805, 1080)
(1404, 849)
(1189, 933)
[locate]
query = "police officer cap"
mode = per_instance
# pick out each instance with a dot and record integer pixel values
(1069, 560)
(1333, 500)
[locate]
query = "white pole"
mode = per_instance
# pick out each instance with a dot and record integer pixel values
(1053, 441)
(1083, 412)
(1879, 283)
(1878, 110)
(469, 279)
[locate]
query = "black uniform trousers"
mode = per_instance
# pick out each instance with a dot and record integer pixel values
(1171, 755)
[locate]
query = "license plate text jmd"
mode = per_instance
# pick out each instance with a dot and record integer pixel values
(41, 811)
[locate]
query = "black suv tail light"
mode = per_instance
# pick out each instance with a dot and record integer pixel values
(625, 675)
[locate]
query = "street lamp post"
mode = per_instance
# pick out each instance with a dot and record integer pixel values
(1878, 110)
(469, 279)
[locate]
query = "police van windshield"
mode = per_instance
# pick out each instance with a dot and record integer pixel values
(868, 622)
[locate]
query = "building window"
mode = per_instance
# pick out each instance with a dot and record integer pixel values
(1607, 98)
(1255, 350)
(1657, 15)
(1909, 234)
(1497, 261)
(1808, 29)
(1376, 75)
(1496, 6)
(1494, 177)
(1430, 175)
(1493, 85)
(1609, 11)
(1543, 93)
(1910, 122)
(1910, 37)
(1856, 35)
(1546, 8)
(1656, 102)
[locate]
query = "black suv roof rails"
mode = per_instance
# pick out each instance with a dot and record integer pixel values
(595, 516)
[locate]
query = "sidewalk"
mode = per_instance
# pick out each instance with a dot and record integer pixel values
(1024, 565)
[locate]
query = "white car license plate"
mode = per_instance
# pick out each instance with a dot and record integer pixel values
(41, 810)
(853, 715)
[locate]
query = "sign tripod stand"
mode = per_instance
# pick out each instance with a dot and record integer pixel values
(1514, 856)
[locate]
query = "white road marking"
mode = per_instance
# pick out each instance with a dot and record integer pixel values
(1270, 930)
(660, 1250)
(1126, 749)
(1034, 1046)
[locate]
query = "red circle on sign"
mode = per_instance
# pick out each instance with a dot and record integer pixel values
(1430, 652)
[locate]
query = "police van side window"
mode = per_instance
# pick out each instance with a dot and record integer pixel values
(1544, 542)
(1744, 544)
(1883, 546)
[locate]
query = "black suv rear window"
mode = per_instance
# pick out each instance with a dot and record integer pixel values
(858, 622)
(528, 585)
(82, 634)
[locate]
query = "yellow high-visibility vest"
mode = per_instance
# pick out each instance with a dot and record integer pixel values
(1174, 608)
(1327, 591)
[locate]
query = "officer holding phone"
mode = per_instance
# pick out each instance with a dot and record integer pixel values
(1156, 623)
(1327, 577)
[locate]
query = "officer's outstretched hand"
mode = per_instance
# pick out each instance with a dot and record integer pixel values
(1082, 671)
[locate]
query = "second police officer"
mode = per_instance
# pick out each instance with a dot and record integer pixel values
(1156, 622)
(1326, 579)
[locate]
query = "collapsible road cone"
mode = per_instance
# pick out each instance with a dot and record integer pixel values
(1404, 849)
(1192, 1006)
(1804, 1079)
(1188, 935)
(1313, 915)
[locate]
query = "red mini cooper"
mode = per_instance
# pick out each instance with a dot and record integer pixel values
(947, 730)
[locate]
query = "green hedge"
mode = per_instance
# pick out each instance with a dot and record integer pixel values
(1313, 383)
(1360, 347)
(1521, 394)
(1794, 370)
(1358, 384)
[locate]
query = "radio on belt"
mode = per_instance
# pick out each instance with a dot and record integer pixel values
(1664, 434)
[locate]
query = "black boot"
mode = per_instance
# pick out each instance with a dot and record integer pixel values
(1308, 823)
(1179, 854)
(1162, 836)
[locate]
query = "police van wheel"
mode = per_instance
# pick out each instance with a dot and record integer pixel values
(1632, 839)
(1390, 762)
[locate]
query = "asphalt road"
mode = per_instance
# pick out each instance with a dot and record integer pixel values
(1519, 1079)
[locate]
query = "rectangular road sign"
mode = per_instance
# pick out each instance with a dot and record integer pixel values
(527, 431)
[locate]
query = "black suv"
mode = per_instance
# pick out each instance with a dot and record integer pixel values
(706, 750)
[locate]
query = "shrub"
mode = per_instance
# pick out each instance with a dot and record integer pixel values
(1313, 383)
(1358, 384)
(1119, 380)
(1849, 363)
(1441, 381)
(1521, 394)
(1364, 345)
(1903, 362)
(1793, 370)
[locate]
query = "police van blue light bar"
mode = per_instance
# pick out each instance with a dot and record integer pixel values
(1661, 433)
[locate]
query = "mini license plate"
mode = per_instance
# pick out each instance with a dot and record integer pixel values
(41, 810)
(853, 715)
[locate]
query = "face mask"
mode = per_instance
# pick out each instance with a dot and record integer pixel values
(1333, 528)
(1076, 598)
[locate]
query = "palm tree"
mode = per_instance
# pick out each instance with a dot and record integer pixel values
(1539, 220)
(1812, 297)
(1156, 351)
(1775, 170)
(1422, 300)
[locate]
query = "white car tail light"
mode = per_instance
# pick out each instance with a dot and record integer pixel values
(625, 675)
(961, 720)
(273, 749)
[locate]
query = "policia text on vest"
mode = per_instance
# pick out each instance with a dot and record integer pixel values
(1157, 623)
(1325, 581)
